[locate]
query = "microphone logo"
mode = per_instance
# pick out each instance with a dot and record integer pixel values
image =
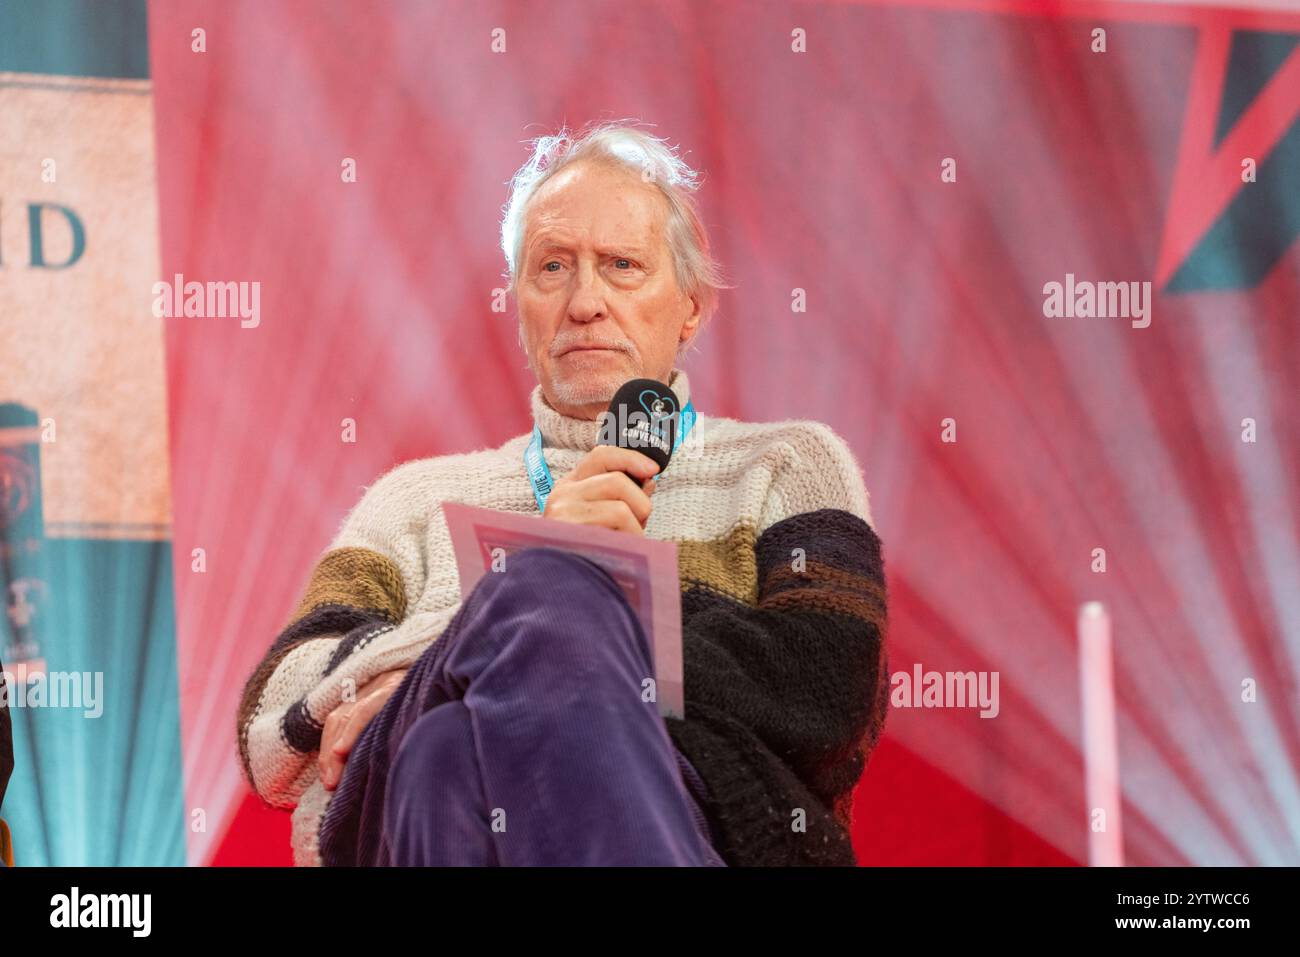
(643, 415)
(651, 426)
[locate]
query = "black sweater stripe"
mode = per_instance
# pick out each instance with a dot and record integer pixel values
(786, 700)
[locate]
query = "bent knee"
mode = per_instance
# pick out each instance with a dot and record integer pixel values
(553, 565)
(574, 596)
(563, 581)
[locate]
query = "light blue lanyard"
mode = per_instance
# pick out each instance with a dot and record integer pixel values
(539, 474)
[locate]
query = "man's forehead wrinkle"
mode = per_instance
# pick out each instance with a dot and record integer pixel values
(621, 214)
(556, 236)
(553, 241)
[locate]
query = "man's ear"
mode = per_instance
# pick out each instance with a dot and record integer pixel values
(692, 324)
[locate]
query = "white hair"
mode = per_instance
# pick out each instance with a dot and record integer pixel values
(655, 162)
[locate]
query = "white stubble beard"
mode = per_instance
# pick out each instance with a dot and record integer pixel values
(577, 390)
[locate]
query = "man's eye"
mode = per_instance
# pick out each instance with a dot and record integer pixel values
(628, 261)
(547, 266)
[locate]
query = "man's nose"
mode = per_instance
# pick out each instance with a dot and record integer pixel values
(588, 301)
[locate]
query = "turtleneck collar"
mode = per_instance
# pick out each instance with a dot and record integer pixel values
(565, 432)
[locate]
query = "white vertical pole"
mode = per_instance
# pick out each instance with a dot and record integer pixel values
(1100, 744)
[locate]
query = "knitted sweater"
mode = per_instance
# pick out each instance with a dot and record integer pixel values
(783, 622)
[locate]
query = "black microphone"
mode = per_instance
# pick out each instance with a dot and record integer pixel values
(643, 415)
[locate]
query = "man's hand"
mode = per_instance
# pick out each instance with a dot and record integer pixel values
(597, 492)
(345, 723)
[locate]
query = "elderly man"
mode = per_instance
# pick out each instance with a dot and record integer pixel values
(407, 727)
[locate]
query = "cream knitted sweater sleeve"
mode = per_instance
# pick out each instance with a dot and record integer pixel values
(352, 624)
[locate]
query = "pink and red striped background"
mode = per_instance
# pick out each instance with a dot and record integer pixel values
(925, 302)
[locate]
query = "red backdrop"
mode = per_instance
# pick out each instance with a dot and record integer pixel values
(925, 302)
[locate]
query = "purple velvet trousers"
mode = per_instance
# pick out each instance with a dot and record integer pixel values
(521, 737)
